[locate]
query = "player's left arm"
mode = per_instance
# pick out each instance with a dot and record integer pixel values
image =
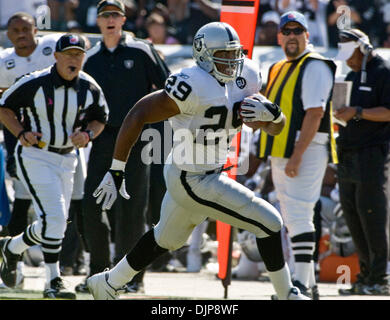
(273, 129)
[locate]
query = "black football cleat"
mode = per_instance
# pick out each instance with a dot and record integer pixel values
(8, 265)
(57, 290)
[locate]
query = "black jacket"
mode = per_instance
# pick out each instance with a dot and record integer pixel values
(130, 72)
(374, 93)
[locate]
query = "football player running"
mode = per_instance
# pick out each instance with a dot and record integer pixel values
(203, 103)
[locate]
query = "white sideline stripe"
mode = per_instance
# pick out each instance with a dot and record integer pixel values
(238, 9)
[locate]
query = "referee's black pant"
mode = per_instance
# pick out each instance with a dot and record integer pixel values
(363, 183)
(127, 216)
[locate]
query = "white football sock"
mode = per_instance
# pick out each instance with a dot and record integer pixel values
(197, 235)
(281, 280)
(19, 266)
(52, 271)
(302, 272)
(312, 276)
(121, 274)
(17, 245)
(303, 257)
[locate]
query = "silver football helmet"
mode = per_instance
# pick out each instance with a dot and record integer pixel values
(213, 37)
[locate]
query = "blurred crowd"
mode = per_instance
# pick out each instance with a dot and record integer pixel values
(176, 21)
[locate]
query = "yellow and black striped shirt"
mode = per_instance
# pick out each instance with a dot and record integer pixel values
(284, 88)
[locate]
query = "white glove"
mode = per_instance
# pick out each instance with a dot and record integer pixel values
(258, 108)
(108, 189)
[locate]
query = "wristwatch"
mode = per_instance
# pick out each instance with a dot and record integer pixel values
(358, 114)
(90, 134)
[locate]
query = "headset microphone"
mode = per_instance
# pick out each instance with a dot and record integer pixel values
(365, 48)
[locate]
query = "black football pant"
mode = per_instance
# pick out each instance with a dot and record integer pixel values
(128, 215)
(363, 179)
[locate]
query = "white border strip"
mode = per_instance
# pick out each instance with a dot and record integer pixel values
(238, 9)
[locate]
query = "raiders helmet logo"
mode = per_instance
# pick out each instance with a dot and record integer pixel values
(128, 64)
(241, 82)
(10, 64)
(198, 42)
(47, 51)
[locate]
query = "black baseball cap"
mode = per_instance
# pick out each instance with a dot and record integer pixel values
(70, 41)
(116, 3)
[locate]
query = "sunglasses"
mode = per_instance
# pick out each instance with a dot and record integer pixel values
(107, 14)
(297, 31)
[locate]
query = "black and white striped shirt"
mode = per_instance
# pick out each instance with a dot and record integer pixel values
(55, 107)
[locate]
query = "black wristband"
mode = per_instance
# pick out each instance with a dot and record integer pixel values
(21, 133)
(117, 175)
(90, 134)
(358, 114)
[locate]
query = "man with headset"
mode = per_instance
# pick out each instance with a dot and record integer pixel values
(363, 152)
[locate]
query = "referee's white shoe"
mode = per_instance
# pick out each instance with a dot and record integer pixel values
(100, 288)
(295, 294)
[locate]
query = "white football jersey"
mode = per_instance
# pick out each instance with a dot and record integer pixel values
(209, 117)
(12, 66)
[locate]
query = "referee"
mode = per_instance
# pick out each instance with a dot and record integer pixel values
(29, 53)
(63, 108)
(126, 68)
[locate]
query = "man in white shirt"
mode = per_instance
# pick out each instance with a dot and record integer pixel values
(301, 84)
(27, 6)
